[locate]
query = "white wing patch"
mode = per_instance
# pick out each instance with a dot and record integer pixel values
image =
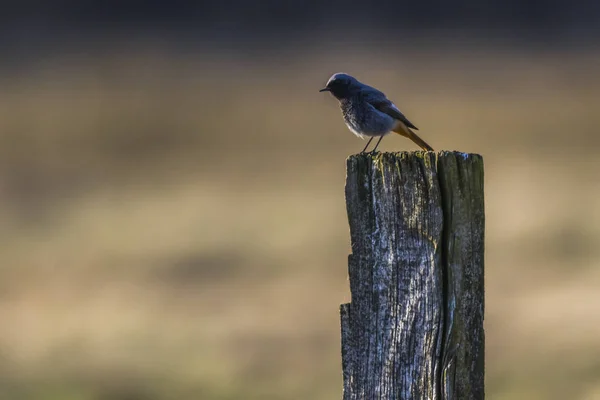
(395, 108)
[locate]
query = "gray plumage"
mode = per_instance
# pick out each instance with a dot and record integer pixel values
(368, 112)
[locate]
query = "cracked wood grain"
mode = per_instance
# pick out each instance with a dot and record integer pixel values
(414, 325)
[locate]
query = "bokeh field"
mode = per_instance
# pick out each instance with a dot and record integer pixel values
(173, 223)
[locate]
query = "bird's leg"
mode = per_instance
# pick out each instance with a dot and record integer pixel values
(377, 144)
(368, 143)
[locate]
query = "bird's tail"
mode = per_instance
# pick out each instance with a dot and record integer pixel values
(407, 132)
(420, 142)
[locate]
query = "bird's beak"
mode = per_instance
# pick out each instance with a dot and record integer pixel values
(324, 90)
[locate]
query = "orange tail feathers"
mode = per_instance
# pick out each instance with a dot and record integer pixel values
(406, 132)
(420, 142)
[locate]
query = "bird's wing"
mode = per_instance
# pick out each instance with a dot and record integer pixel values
(381, 103)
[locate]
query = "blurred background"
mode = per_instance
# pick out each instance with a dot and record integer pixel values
(172, 205)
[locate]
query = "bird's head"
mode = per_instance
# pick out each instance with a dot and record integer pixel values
(341, 85)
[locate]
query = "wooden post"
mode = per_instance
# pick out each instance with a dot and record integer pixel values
(414, 326)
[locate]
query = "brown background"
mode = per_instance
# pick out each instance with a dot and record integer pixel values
(173, 216)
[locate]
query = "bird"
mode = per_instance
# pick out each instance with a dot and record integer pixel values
(367, 112)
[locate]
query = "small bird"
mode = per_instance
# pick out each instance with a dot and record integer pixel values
(368, 113)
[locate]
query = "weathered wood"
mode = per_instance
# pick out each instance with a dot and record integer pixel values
(461, 180)
(414, 326)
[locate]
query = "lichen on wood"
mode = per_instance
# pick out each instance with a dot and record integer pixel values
(461, 180)
(396, 329)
